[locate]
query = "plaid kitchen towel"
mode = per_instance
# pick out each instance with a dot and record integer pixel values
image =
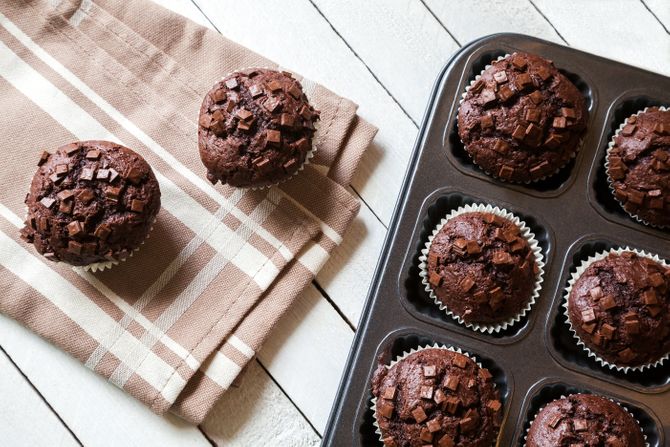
(175, 324)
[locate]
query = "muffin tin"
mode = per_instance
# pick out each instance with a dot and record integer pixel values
(572, 214)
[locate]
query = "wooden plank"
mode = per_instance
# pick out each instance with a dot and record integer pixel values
(295, 35)
(400, 41)
(24, 417)
(661, 9)
(623, 30)
(95, 410)
(490, 17)
(306, 355)
(347, 275)
(257, 413)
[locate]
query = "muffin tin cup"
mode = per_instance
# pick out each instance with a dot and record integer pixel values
(607, 164)
(532, 243)
(490, 174)
(573, 278)
(646, 442)
(308, 157)
(373, 401)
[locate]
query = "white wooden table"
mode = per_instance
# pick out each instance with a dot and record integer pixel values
(384, 55)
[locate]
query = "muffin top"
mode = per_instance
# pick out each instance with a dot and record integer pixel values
(639, 166)
(584, 419)
(255, 128)
(481, 267)
(522, 119)
(436, 397)
(620, 308)
(90, 201)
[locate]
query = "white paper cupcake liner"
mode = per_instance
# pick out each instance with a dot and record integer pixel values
(525, 233)
(104, 265)
(573, 278)
(574, 153)
(525, 438)
(308, 157)
(405, 354)
(610, 145)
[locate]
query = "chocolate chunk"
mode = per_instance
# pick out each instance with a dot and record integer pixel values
(649, 297)
(446, 441)
(627, 355)
(467, 284)
(533, 115)
(113, 175)
(93, 154)
(451, 404)
(385, 409)
(608, 302)
(134, 175)
(536, 97)
(113, 193)
(244, 114)
(102, 232)
(435, 279)
(494, 405)
(568, 112)
(467, 424)
(486, 122)
(255, 91)
(523, 81)
(505, 93)
(137, 206)
(43, 158)
(519, 132)
(85, 196)
(47, 202)
(473, 248)
(389, 393)
(452, 382)
(607, 331)
(559, 122)
(580, 425)
(519, 62)
(61, 169)
(461, 361)
(232, 83)
(477, 86)
(419, 415)
(65, 207)
(540, 167)
(632, 326)
(426, 392)
(273, 86)
(87, 174)
(295, 91)
(502, 258)
(220, 94)
(656, 280)
(589, 328)
(506, 172)
(434, 425)
(555, 421)
(544, 73)
(273, 137)
(588, 315)
(439, 396)
(429, 371)
(75, 228)
(487, 97)
(533, 132)
(628, 130)
(426, 435)
(501, 147)
(287, 120)
(71, 148)
(500, 77)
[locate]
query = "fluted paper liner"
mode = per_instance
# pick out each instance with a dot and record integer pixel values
(405, 354)
(525, 438)
(525, 233)
(573, 278)
(610, 145)
(572, 155)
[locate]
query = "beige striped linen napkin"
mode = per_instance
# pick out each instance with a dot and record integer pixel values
(176, 323)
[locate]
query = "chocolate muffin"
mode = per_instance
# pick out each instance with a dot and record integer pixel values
(638, 166)
(436, 397)
(522, 120)
(255, 129)
(481, 268)
(619, 308)
(584, 420)
(90, 202)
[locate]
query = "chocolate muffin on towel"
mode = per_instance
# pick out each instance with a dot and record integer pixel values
(436, 397)
(91, 202)
(584, 420)
(638, 166)
(522, 120)
(256, 128)
(619, 307)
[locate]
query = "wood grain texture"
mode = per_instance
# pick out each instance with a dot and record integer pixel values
(99, 413)
(604, 28)
(257, 413)
(24, 417)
